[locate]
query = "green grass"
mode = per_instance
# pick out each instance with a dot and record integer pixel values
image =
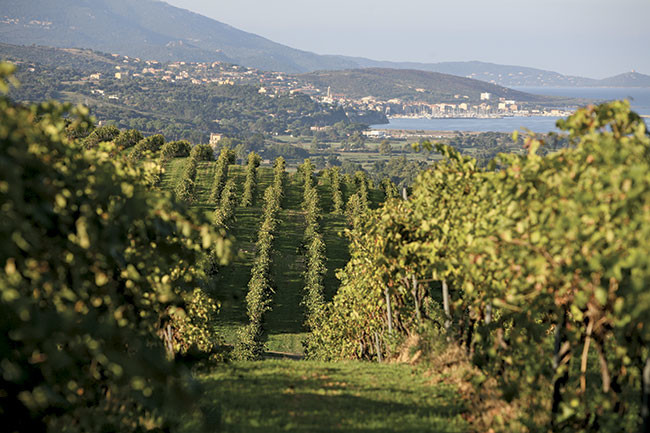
(306, 396)
(284, 322)
(366, 157)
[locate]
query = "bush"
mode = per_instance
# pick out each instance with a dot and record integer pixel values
(101, 134)
(128, 138)
(90, 273)
(152, 143)
(250, 184)
(176, 149)
(226, 157)
(202, 152)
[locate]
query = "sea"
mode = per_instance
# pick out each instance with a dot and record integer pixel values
(639, 98)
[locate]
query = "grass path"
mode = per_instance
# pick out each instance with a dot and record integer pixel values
(285, 320)
(309, 396)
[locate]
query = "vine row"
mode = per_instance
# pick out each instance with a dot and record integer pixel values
(313, 297)
(250, 344)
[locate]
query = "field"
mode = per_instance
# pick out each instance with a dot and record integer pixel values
(366, 157)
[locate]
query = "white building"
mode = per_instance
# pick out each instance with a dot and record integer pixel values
(214, 139)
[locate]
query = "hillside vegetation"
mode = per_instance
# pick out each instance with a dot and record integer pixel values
(411, 85)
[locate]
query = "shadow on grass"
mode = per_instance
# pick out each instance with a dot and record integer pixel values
(295, 396)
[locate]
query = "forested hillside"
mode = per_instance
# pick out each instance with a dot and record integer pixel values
(118, 93)
(413, 85)
(178, 110)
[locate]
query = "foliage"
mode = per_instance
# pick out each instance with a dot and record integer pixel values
(93, 264)
(390, 190)
(101, 134)
(250, 184)
(176, 149)
(385, 148)
(540, 264)
(186, 187)
(195, 327)
(202, 152)
(224, 214)
(337, 195)
(128, 138)
(284, 150)
(250, 342)
(313, 296)
(399, 170)
(150, 144)
(226, 157)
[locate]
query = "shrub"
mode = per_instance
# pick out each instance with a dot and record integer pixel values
(202, 152)
(92, 265)
(176, 149)
(128, 138)
(101, 134)
(152, 143)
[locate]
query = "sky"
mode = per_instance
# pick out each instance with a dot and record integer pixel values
(591, 38)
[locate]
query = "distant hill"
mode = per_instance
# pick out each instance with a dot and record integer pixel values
(629, 79)
(152, 29)
(381, 83)
(82, 60)
(149, 29)
(385, 84)
(503, 75)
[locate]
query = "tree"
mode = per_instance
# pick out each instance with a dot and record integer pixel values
(385, 148)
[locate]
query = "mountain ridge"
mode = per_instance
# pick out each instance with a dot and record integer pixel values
(156, 30)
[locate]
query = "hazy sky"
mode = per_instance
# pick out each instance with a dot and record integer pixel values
(593, 38)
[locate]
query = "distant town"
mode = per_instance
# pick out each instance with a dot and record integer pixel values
(275, 83)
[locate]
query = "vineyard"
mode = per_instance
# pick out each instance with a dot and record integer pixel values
(152, 286)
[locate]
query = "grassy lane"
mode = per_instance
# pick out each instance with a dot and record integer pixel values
(306, 396)
(336, 251)
(284, 321)
(336, 246)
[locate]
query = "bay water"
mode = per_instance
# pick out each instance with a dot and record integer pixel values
(639, 98)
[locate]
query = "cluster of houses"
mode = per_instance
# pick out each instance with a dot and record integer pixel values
(274, 83)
